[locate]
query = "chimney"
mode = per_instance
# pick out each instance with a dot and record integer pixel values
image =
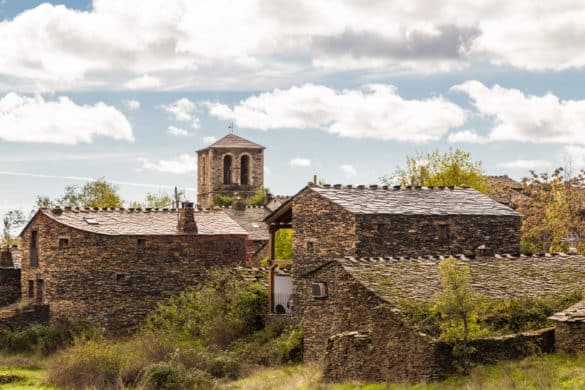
(239, 204)
(6, 258)
(187, 219)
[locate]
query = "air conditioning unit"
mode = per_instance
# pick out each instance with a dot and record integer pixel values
(319, 290)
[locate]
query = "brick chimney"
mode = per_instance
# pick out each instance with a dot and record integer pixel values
(187, 222)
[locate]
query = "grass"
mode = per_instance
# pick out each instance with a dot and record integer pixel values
(556, 371)
(539, 372)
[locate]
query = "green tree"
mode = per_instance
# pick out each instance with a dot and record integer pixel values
(158, 200)
(218, 311)
(458, 306)
(12, 220)
(283, 244)
(553, 212)
(97, 193)
(454, 168)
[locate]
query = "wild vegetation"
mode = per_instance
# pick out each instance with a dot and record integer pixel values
(257, 199)
(452, 168)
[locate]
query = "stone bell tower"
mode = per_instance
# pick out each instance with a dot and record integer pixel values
(232, 167)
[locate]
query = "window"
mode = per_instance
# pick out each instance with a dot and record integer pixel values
(245, 170)
(203, 169)
(443, 232)
(227, 169)
(63, 242)
(34, 251)
(310, 247)
(380, 227)
(31, 289)
(120, 277)
(40, 290)
(319, 290)
(140, 243)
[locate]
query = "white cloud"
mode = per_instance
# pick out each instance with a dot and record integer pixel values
(62, 121)
(208, 140)
(132, 105)
(183, 164)
(466, 137)
(182, 109)
(158, 43)
(376, 111)
(300, 162)
(87, 179)
(177, 131)
(527, 118)
(524, 164)
(143, 82)
(575, 155)
(349, 170)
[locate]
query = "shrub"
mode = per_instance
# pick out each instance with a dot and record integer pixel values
(259, 198)
(219, 311)
(272, 346)
(223, 200)
(172, 375)
(94, 364)
(46, 339)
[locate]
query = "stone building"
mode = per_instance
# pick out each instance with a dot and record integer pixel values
(335, 221)
(355, 317)
(111, 266)
(9, 275)
(570, 329)
(231, 167)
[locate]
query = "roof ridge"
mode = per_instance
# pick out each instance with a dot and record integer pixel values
(460, 256)
(387, 187)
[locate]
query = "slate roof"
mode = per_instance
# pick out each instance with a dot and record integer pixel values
(234, 141)
(142, 221)
(506, 190)
(575, 313)
(398, 279)
(421, 200)
(251, 219)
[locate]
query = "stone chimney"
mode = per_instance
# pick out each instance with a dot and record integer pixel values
(187, 222)
(6, 258)
(239, 204)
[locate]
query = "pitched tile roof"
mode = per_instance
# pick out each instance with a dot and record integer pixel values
(396, 279)
(575, 313)
(234, 141)
(142, 221)
(420, 200)
(506, 190)
(252, 220)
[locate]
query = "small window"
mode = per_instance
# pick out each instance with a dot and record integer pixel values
(91, 221)
(310, 247)
(31, 289)
(120, 277)
(443, 232)
(380, 227)
(140, 244)
(319, 290)
(63, 242)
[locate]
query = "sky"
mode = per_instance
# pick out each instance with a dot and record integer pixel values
(129, 90)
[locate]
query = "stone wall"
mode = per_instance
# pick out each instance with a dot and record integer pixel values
(417, 235)
(210, 174)
(570, 337)
(111, 281)
(31, 315)
(328, 228)
(9, 286)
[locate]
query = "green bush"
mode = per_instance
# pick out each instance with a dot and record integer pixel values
(272, 346)
(174, 376)
(223, 200)
(259, 198)
(219, 311)
(93, 364)
(45, 339)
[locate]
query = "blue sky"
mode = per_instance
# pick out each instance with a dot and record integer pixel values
(345, 90)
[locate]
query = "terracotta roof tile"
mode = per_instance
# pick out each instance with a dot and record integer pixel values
(423, 201)
(142, 222)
